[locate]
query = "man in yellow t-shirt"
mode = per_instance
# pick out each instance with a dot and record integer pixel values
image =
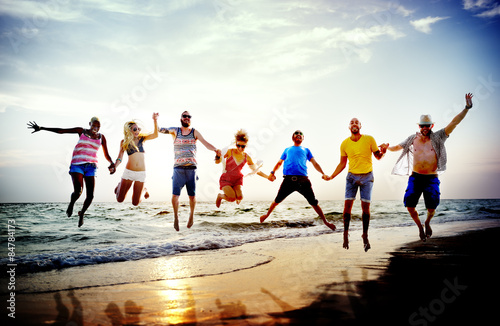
(358, 149)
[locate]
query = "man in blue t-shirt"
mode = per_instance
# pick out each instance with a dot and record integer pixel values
(294, 160)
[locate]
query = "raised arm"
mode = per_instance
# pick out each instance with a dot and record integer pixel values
(154, 134)
(37, 128)
(459, 117)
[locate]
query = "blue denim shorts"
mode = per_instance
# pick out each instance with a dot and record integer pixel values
(87, 169)
(184, 177)
(419, 184)
(362, 181)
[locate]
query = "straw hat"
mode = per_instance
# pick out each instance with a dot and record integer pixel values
(425, 119)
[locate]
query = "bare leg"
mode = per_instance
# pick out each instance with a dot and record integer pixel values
(414, 215)
(229, 195)
(430, 215)
(320, 213)
(138, 191)
(89, 185)
(77, 179)
(239, 194)
(192, 205)
(365, 207)
(175, 205)
(122, 189)
(269, 211)
(347, 220)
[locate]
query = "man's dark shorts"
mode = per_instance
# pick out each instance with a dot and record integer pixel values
(426, 184)
(298, 183)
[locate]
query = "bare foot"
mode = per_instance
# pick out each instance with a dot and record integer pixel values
(176, 223)
(69, 211)
(366, 243)
(146, 193)
(331, 226)
(422, 235)
(218, 201)
(263, 218)
(190, 222)
(346, 240)
(428, 230)
(80, 220)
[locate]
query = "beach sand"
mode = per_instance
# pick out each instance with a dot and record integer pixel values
(299, 281)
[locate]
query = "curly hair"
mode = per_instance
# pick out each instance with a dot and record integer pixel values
(241, 135)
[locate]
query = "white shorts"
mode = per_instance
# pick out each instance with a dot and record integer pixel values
(134, 175)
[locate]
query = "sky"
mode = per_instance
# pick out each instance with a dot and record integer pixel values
(269, 67)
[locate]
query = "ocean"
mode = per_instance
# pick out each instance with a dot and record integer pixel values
(39, 238)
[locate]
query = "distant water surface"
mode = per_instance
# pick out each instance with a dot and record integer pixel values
(45, 239)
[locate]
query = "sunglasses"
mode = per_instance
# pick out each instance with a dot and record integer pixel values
(186, 116)
(135, 129)
(298, 133)
(241, 146)
(423, 126)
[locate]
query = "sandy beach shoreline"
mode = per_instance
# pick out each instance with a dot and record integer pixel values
(283, 281)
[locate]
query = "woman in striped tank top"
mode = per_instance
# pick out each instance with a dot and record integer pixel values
(84, 161)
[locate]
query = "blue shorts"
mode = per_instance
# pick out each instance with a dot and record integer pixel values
(184, 177)
(362, 181)
(426, 184)
(87, 169)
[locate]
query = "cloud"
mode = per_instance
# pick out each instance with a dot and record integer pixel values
(424, 25)
(484, 8)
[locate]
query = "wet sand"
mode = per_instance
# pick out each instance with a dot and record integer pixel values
(304, 281)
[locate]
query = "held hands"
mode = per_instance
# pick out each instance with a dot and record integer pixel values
(383, 147)
(326, 178)
(468, 100)
(271, 177)
(112, 168)
(33, 126)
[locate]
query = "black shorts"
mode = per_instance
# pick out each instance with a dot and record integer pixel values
(292, 183)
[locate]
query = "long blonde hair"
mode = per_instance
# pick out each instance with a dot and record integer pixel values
(128, 135)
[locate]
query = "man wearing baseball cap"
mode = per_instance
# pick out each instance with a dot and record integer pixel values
(427, 152)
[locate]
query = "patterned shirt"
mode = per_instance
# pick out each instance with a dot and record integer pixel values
(184, 147)
(86, 150)
(404, 165)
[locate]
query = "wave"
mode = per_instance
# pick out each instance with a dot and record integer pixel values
(206, 240)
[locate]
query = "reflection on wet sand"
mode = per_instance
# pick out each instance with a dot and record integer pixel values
(63, 317)
(132, 312)
(231, 310)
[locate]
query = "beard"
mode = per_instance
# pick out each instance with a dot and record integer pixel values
(185, 124)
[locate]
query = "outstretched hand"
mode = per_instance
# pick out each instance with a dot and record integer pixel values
(33, 126)
(468, 100)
